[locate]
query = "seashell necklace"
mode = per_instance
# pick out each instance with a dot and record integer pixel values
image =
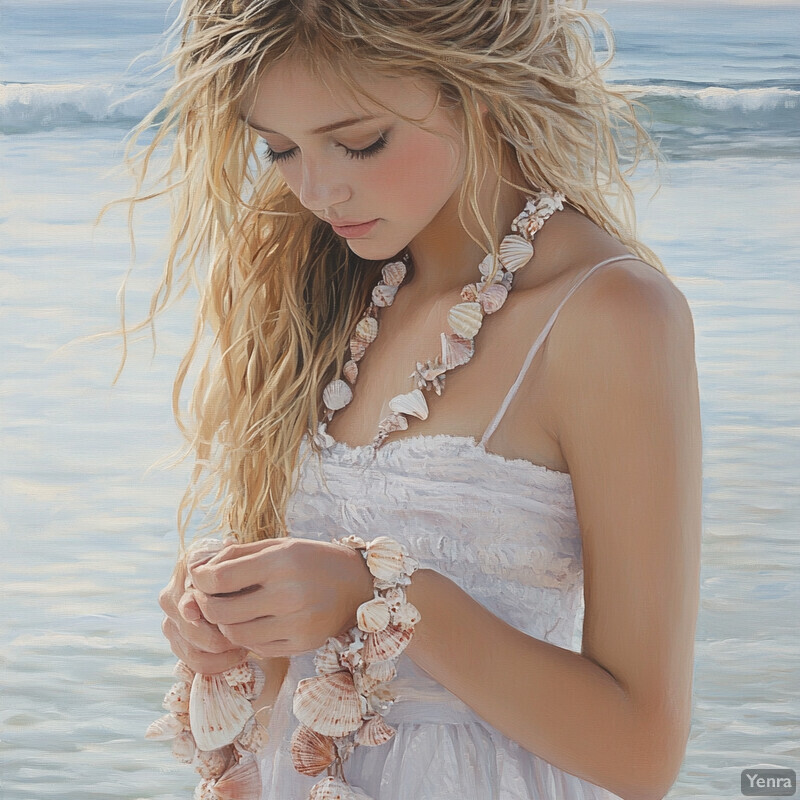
(465, 319)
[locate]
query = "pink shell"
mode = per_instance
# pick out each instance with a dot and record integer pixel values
(383, 295)
(393, 273)
(386, 644)
(374, 732)
(241, 782)
(311, 751)
(392, 423)
(492, 298)
(350, 371)
(212, 763)
(456, 350)
(357, 348)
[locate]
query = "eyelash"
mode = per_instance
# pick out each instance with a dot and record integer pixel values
(274, 157)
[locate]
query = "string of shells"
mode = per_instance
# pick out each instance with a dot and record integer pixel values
(479, 299)
(210, 719)
(342, 706)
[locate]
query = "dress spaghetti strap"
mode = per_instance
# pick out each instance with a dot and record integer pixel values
(537, 344)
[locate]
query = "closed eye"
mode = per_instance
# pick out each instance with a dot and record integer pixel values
(275, 156)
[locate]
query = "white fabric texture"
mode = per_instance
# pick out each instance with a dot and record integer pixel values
(506, 531)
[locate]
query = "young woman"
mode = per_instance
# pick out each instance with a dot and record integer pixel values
(554, 476)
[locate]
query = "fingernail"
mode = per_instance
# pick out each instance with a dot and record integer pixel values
(192, 613)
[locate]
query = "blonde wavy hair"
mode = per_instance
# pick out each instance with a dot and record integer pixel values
(279, 291)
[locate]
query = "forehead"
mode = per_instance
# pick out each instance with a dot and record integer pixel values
(289, 96)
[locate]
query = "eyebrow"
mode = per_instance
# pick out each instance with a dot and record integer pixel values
(334, 126)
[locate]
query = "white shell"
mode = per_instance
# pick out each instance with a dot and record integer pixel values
(367, 329)
(515, 252)
(381, 671)
(183, 672)
(311, 751)
(493, 297)
(205, 790)
(202, 550)
(384, 557)
(386, 644)
(337, 394)
(373, 615)
(487, 265)
(413, 403)
(465, 319)
(456, 350)
(508, 280)
(254, 737)
(212, 763)
(350, 371)
(374, 732)
(326, 660)
(166, 727)
(183, 747)
(406, 617)
(393, 273)
(470, 292)
(217, 712)
(354, 541)
(177, 698)
(241, 782)
(357, 348)
(331, 788)
(383, 295)
(394, 422)
(328, 704)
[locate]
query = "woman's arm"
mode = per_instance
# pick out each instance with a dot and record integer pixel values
(617, 714)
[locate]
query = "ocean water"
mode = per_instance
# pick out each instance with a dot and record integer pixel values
(89, 532)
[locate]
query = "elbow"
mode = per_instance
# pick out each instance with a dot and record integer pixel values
(653, 764)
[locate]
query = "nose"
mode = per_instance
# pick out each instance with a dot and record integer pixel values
(321, 186)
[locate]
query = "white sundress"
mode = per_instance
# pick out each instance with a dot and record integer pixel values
(506, 531)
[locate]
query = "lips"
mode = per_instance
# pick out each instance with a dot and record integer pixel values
(354, 230)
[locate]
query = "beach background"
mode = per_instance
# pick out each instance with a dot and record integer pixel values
(88, 533)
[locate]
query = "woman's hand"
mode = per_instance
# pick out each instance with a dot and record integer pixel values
(281, 597)
(196, 642)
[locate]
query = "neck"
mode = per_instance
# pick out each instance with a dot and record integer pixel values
(445, 258)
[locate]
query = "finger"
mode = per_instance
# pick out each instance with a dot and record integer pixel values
(266, 631)
(199, 659)
(236, 608)
(188, 607)
(234, 572)
(204, 636)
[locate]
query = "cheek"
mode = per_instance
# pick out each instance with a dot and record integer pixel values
(422, 174)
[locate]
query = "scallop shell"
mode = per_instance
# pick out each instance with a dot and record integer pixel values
(413, 403)
(487, 264)
(183, 747)
(254, 737)
(217, 712)
(177, 698)
(337, 394)
(393, 273)
(493, 297)
(166, 727)
(386, 644)
(241, 782)
(406, 617)
(240, 675)
(212, 763)
(465, 319)
(373, 615)
(384, 557)
(515, 252)
(331, 788)
(183, 672)
(381, 671)
(357, 348)
(383, 295)
(311, 751)
(456, 350)
(375, 731)
(350, 371)
(470, 292)
(367, 329)
(205, 790)
(392, 423)
(326, 660)
(328, 703)
(381, 699)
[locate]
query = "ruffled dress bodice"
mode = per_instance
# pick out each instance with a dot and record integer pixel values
(504, 530)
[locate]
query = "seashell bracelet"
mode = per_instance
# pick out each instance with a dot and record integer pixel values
(465, 319)
(341, 707)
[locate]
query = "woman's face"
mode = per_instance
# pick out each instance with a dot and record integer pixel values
(375, 167)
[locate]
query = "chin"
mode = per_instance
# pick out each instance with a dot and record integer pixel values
(375, 250)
